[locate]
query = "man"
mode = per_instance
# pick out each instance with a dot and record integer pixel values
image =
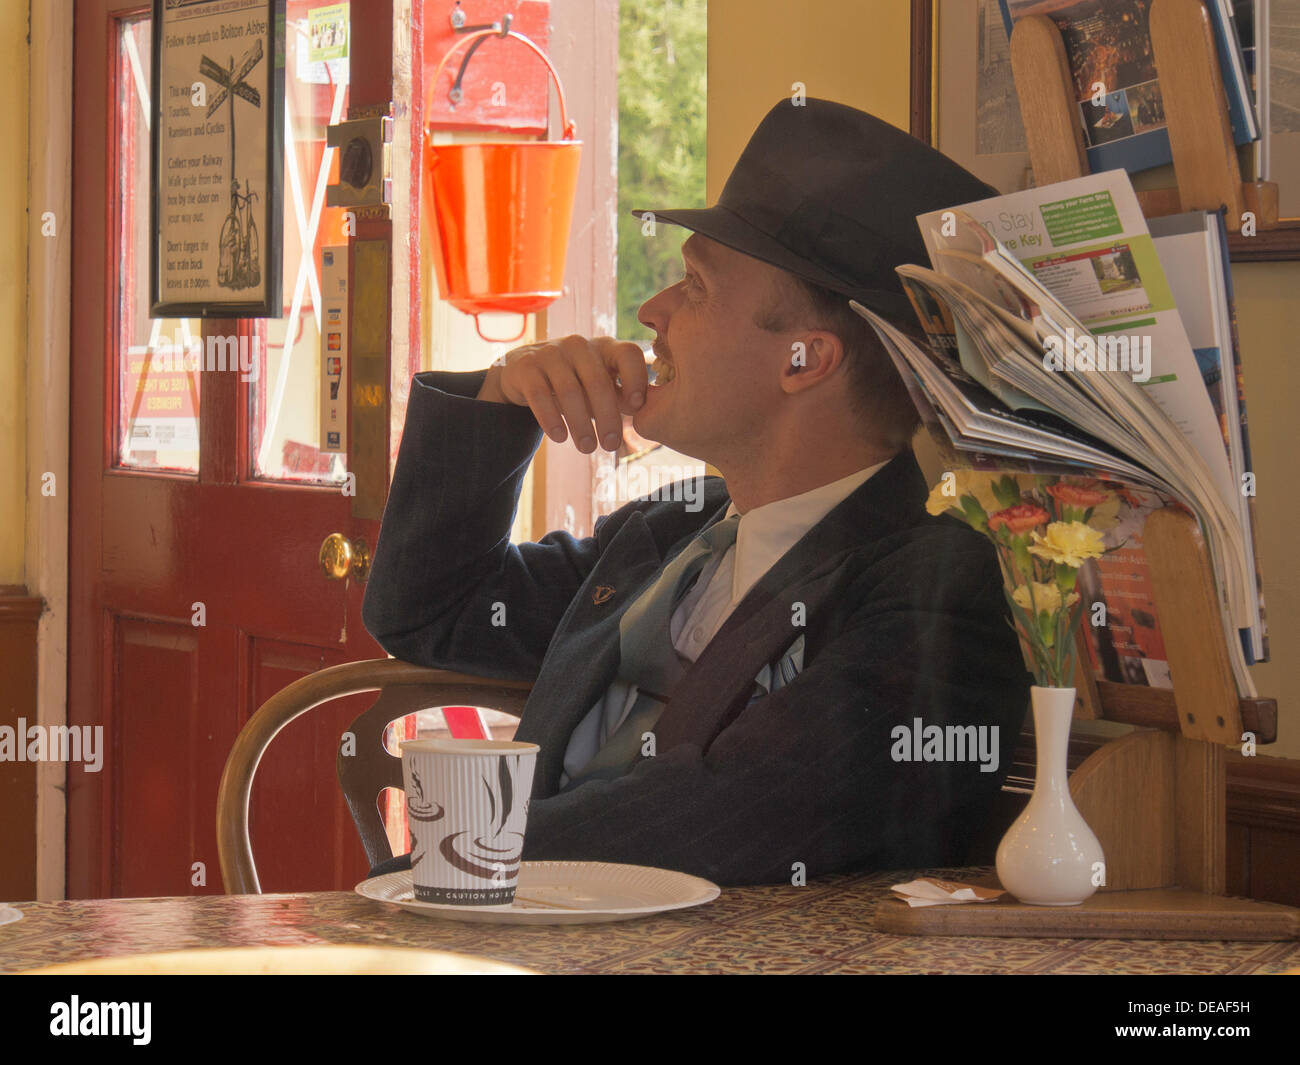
(721, 691)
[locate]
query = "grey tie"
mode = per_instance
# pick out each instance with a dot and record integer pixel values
(647, 658)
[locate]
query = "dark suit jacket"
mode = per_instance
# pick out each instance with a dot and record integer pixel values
(905, 619)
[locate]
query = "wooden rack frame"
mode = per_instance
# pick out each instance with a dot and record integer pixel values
(1191, 86)
(1156, 798)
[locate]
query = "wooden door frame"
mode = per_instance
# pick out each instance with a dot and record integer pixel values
(91, 328)
(49, 310)
(583, 44)
(584, 47)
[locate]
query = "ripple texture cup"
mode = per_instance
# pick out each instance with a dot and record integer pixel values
(467, 808)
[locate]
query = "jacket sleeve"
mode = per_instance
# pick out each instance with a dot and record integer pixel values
(811, 773)
(447, 588)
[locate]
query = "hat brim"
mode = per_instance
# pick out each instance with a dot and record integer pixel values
(726, 227)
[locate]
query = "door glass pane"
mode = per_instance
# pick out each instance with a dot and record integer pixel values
(285, 432)
(158, 378)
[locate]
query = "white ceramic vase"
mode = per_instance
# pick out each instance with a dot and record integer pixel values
(1049, 856)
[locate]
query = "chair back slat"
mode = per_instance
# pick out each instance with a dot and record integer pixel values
(363, 778)
(408, 688)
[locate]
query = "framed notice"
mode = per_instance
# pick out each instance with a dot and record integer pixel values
(217, 142)
(978, 112)
(1280, 101)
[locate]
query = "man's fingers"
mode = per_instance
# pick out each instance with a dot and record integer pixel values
(573, 382)
(572, 398)
(534, 388)
(601, 398)
(631, 364)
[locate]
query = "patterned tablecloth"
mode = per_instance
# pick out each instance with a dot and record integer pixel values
(823, 927)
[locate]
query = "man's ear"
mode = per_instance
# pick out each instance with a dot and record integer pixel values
(814, 357)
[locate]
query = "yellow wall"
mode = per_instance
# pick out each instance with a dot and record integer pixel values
(1268, 320)
(859, 53)
(13, 287)
(850, 51)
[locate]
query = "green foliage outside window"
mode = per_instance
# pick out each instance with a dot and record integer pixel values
(661, 142)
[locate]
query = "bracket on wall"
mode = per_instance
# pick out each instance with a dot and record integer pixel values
(364, 145)
(457, 19)
(500, 29)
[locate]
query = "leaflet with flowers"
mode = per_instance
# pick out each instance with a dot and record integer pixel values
(1123, 637)
(1063, 462)
(1117, 299)
(1071, 552)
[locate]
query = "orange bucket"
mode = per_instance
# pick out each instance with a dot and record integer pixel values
(502, 213)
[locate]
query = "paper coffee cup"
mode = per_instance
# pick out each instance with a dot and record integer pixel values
(467, 806)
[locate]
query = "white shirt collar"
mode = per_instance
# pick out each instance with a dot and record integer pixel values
(768, 532)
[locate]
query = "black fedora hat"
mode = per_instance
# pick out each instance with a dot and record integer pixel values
(831, 194)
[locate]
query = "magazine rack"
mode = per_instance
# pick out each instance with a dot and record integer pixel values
(1156, 798)
(1200, 135)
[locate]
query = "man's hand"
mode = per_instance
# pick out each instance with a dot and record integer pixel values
(574, 381)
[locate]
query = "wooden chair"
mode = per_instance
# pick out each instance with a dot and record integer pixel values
(404, 689)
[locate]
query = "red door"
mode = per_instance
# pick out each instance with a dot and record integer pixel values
(199, 501)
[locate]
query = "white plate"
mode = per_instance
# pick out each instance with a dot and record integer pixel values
(562, 893)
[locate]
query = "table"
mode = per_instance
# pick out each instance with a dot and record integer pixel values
(825, 927)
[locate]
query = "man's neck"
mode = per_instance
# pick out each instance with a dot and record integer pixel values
(775, 472)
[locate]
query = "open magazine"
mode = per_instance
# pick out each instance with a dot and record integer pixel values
(1059, 350)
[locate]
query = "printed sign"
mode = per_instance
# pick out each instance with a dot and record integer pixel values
(327, 32)
(217, 148)
(334, 349)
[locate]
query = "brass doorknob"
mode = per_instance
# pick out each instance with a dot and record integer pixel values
(340, 557)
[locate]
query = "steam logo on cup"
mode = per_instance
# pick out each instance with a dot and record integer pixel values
(419, 808)
(467, 804)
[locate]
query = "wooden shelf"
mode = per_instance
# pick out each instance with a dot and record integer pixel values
(1158, 913)
(1280, 243)
(1132, 704)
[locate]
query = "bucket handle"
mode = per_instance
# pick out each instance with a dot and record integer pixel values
(523, 328)
(565, 124)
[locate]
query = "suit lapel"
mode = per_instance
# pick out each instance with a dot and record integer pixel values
(719, 683)
(892, 499)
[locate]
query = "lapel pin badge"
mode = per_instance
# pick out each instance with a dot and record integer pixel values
(602, 594)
